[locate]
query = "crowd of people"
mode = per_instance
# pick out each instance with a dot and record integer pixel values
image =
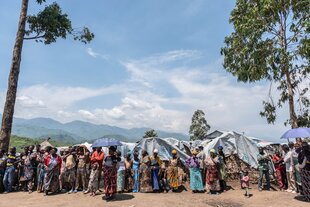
(291, 167)
(77, 169)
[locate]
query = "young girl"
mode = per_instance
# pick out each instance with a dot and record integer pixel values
(245, 183)
(93, 180)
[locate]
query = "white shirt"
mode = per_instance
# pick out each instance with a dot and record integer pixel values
(288, 161)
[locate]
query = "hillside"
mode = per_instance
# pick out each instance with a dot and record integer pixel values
(79, 131)
(21, 142)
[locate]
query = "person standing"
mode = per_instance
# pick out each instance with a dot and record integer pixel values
(222, 168)
(245, 183)
(120, 173)
(136, 172)
(172, 171)
(212, 175)
(289, 165)
(145, 172)
(93, 180)
(110, 173)
(194, 169)
(98, 157)
(82, 158)
(279, 167)
(71, 169)
(202, 156)
(9, 175)
(40, 170)
(263, 168)
(304, 165)
(155, 168)
(52, 163)
(128, 173)
(28, 160)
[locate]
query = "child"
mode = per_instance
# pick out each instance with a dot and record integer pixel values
(93, 180)
(245, 183)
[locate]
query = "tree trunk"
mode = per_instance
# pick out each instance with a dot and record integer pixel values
(293, 117)
(8, 112)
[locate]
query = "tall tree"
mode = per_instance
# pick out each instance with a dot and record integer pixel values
(150, 133)
(199, 127)
(47, 26)
(271, 42)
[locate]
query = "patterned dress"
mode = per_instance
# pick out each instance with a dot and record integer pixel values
(146, 180)
(172, 174)
(51, 180)
(28, 170)
(212, 175)
(110, 176)
(93, 181)
(121, 176)
(195, 175)
(136, 175)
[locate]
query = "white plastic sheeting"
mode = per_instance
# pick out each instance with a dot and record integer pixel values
(164, 148)
(234, 143)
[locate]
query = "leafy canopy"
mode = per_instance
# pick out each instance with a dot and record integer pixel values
(199, 127)
(271, 42)
(51, 23)
(150, 133)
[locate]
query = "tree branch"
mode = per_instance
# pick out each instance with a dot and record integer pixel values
(35, 37)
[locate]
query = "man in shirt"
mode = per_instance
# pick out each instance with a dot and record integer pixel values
(70, 168)
(9, 174)
(289, 166)
(263, 168)
(97, 157)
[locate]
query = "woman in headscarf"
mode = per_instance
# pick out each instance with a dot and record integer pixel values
(193, 164)
(155, 167)
(145, 172)
(52, 164)
(110, 173)
(172, 172)
(128, 173)
(136, 172)
(212, 175)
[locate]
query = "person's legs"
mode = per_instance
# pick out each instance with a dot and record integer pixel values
(292, 180)
(289, 182)
(260, 180)
(77, 179)
(10, 178)
(267, 179)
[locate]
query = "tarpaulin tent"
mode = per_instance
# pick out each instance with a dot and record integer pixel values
(234, 143)
(163, 146)
(183, 146)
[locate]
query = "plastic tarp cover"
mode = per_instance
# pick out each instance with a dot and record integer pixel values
(234, 143)
(163, 146)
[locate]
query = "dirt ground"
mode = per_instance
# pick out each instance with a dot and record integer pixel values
(231, 198)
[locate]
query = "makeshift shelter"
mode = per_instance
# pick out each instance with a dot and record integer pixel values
(234, 143)
(45, 144)
(164, 148)
(182, 145)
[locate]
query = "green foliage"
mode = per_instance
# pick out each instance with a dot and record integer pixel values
(50, 24)
(150, 133)
(21, 142)
(199, 127)
(271, 41)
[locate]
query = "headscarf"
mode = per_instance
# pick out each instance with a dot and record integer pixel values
(174, 152)
(212, 150)
(194, 152)
(155, 151)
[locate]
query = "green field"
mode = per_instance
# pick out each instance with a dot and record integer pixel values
(20, 142)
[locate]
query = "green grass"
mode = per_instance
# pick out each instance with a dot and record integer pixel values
(21, 142)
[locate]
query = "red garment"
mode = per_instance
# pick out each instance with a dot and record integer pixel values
(279, 170)
(245, 182)
(97, 157)
(48, 158)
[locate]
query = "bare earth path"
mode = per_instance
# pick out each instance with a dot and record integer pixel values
(232, 198)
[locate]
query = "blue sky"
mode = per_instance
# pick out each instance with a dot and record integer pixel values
(151, 64)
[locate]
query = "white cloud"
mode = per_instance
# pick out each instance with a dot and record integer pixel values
(94, 54)
(162, 92)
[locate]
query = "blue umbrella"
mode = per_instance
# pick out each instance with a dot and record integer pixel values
(297, 132)
(106, 142)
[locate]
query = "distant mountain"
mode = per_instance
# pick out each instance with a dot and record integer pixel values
(78, 131)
